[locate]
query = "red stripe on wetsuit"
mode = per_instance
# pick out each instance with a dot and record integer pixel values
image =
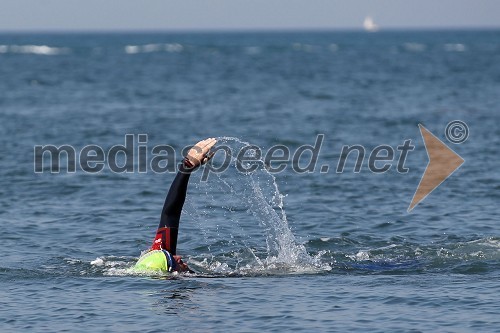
(165, 239)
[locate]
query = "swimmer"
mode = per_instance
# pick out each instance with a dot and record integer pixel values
(162, 255)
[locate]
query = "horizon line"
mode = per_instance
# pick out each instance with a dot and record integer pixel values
(244, 30)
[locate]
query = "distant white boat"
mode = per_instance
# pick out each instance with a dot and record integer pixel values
(369, 24)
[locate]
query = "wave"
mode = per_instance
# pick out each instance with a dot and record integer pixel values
(312, 48)
(327, 256)
(330, 256)
(148, 48)
(451, 255)
(455, 47)
(34, 49)
(414, 47)
(176, 48)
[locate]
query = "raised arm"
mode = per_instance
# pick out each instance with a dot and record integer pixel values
(168, 229)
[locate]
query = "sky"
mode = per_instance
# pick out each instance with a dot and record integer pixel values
(131, 15)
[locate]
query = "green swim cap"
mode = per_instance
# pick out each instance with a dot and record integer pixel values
(155, 260)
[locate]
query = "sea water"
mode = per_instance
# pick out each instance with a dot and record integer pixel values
(302, 251)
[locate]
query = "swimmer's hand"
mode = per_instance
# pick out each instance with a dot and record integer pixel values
(200, 153)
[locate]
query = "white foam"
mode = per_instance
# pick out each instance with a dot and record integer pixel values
(455, 47)
(37, 49)
(361, 256)
(154, 47)
(132, 49)
(97, 262)
(175, 47)
(151, 48)
(489, 242)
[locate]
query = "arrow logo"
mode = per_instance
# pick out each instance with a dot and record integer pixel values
(443, 162)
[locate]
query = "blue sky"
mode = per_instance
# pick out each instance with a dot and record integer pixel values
(62, 15)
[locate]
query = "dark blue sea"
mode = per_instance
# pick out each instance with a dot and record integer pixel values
(297, 250)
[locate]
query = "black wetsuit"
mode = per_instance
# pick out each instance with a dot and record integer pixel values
(166, 235)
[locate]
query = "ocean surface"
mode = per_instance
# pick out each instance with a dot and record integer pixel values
(272, 251)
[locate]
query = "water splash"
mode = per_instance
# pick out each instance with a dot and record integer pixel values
(253, 214)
